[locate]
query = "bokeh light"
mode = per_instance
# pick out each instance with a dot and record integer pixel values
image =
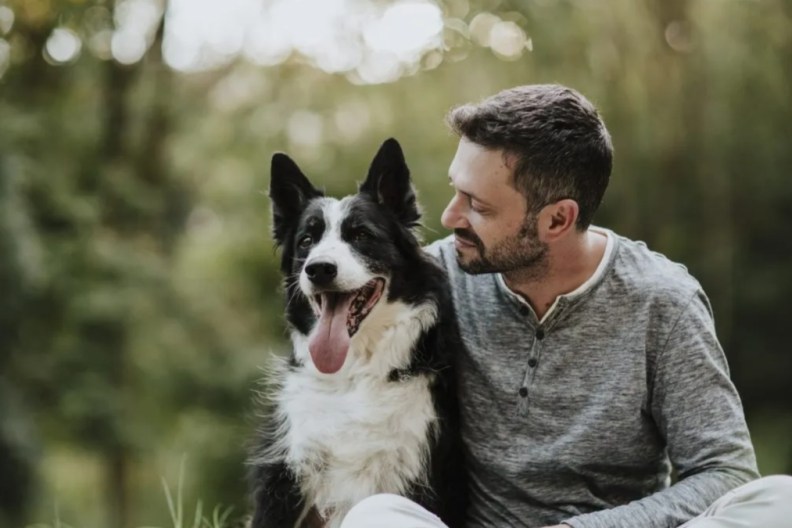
(136, 23)
(305, 129)
(679, 36)
(5, 56)
(481, 27)
(371, 42)
(505, 38)
(368, 41)
(63, 46)
(351, 119)
(100, 44)
(406, 29)
(6, 19)
(127, 47)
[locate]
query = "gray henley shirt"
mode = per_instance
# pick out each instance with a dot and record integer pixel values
(579, 418)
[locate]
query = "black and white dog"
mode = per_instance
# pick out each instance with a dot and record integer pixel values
(367, 402)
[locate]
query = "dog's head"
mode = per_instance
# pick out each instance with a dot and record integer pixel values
(342, 257)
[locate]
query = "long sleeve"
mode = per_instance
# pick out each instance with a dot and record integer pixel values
(698, 413)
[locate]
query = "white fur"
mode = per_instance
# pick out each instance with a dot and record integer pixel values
(352, 434)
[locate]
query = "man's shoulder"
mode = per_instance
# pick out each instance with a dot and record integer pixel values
(642, 269)
(443, 251)
(439, 245)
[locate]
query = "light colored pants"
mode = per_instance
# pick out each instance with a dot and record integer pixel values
(762, 503)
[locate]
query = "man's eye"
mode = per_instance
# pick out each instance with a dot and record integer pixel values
(305, 241)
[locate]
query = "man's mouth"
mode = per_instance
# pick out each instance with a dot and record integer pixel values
(464, 239)
(339, 317)
(462, 242)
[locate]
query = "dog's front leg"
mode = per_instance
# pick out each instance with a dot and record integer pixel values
(276, 496)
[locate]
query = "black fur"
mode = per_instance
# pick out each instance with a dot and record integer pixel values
(379, 229)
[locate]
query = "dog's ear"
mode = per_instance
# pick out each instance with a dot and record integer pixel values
(388, 182)
(290, 191)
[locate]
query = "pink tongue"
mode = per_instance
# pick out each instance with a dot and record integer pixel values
(329, 342)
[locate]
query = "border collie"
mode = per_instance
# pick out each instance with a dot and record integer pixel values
(366, 404)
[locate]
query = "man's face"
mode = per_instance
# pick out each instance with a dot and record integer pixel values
(493, 231)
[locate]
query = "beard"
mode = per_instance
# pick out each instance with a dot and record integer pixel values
(521, 252)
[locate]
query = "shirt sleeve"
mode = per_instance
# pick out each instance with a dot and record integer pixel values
(699, 414)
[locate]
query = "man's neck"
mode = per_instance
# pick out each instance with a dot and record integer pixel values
(569, 264)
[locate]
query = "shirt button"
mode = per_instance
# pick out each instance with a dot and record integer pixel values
(523, 392)
(532, 362)
(524, 310)
(539, 334)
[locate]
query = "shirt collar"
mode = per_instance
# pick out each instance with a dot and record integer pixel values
(588, 284)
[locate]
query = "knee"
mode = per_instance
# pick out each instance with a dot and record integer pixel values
(774, 488)
(372, 507)
(780, 484)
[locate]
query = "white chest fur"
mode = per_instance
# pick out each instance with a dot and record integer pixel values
(355, 434)
(347, 443)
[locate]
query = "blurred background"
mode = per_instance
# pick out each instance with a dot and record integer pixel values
(139, 290)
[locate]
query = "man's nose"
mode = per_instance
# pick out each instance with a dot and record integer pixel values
(452, 217)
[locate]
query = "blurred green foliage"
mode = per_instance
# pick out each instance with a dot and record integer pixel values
(139, 287)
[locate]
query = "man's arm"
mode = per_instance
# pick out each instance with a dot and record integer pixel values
(698, 412)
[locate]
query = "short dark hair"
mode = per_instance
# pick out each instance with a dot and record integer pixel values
(560, 143)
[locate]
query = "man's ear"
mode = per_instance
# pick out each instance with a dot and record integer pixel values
(388, 183)
(559, 218)
(290, 191)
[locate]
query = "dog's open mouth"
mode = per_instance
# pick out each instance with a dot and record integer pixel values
(340, 315)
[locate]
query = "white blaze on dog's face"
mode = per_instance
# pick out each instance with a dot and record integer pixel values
(342, 283)
(331, 248)
(341, 253)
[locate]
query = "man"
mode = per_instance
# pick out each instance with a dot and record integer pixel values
(592, 366)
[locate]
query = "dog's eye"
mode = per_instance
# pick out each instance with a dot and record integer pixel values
(305, 241)
(362, 235)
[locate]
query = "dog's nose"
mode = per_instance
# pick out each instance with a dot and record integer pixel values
(321, 273)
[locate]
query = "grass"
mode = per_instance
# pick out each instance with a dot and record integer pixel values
(218, 519)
